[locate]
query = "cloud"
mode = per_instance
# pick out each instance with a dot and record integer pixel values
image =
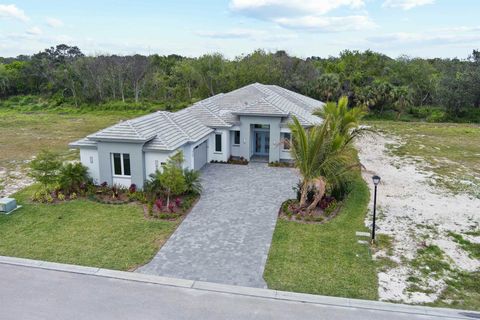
(327, 24)
(307, 15)
(272, 8)
(11, 11)
(53, 22)
(253, 34)
(34, 31)
(456, 35)
(406, 4)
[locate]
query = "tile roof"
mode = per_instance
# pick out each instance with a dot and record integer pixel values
(163, 130)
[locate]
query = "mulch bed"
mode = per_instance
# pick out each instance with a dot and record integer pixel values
(290, 211)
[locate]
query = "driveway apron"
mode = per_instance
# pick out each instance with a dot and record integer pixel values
(227, 235)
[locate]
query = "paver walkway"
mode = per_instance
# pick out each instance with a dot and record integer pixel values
(227, 235)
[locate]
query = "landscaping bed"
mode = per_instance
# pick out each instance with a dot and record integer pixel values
(327, 210)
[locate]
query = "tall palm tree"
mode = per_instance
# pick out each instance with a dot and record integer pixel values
(320, 156)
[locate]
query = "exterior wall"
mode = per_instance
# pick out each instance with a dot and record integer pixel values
(225, 154)
(246, 136)
(152, 158)
(89, 158)
(235, 148)
(284, 154)
(137, 161)
(189, 147)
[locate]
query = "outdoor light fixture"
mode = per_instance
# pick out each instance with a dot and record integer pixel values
(376, 181)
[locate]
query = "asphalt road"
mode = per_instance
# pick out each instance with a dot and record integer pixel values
(34, 293)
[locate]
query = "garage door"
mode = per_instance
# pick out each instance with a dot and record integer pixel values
(200, 156)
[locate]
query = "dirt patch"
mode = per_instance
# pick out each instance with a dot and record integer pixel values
(417, 215)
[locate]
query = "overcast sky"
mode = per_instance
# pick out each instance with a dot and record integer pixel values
(425, 28)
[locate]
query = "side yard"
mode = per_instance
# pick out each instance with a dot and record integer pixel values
(24, 134)
(429, 208)
(83, 232)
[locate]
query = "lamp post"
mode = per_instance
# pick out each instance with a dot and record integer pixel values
(376, 181)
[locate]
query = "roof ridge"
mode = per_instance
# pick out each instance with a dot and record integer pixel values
(210, 111)
(167, 115)
(275, 107)
(134, 129)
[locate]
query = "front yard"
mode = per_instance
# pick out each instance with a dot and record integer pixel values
(82, 232)
(325, 258)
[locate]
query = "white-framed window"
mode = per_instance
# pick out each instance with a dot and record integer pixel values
(121, 164)
(286, 136)
(218, 142)
(236, 137)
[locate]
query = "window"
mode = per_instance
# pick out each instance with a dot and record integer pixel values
(91, 159)
(117, 164)
(286, 140)
(218, 142)
(262, 126)
(236, 137)
(121, 164)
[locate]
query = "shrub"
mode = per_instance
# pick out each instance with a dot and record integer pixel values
(45, 168)
(192, 181)
(73, 196)
(159, 204)
(60, 196)
(133, 188)
(41, 195)
(178, 202)
(171, 207)
(72, 177)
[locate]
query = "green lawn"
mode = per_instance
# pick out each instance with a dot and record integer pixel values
(82, 232)
(325, 259)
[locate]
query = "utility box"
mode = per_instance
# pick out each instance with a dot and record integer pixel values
(7, 205)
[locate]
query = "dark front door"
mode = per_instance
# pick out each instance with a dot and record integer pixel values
(262, 143)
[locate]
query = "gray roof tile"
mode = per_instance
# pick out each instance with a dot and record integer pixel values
(167, 131)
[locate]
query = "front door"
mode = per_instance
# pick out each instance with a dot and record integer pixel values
(262, 143)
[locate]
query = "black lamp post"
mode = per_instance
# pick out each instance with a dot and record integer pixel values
(376, 181)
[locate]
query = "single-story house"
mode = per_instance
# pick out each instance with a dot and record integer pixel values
(248, 122)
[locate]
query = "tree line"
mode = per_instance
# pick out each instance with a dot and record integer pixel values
(368, 78)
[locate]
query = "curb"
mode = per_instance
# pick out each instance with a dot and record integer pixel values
(243, 291)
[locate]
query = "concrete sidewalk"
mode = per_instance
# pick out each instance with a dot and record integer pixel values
(31, 289)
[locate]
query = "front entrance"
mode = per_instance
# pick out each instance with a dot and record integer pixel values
(262, 143)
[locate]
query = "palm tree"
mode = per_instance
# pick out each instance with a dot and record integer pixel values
(343, 119)
(323, 153)
(403, 99)
(320, 156)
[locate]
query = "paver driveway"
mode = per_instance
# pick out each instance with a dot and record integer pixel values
(227, 235)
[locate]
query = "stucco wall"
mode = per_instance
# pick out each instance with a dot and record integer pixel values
(188, 151)
(89, 158)
(246, 123)
(137, 167)
(219, 156)
(154, 159)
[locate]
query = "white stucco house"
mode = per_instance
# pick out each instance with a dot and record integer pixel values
(248, 122)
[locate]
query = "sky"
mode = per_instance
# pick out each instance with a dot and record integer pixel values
(418, 28)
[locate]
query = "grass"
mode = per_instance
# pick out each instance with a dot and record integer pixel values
(82, 232)
(451, 151)
(472, 248)
(23, 135)
(325, 259)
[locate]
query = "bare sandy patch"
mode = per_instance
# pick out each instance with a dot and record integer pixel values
(416, 214)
